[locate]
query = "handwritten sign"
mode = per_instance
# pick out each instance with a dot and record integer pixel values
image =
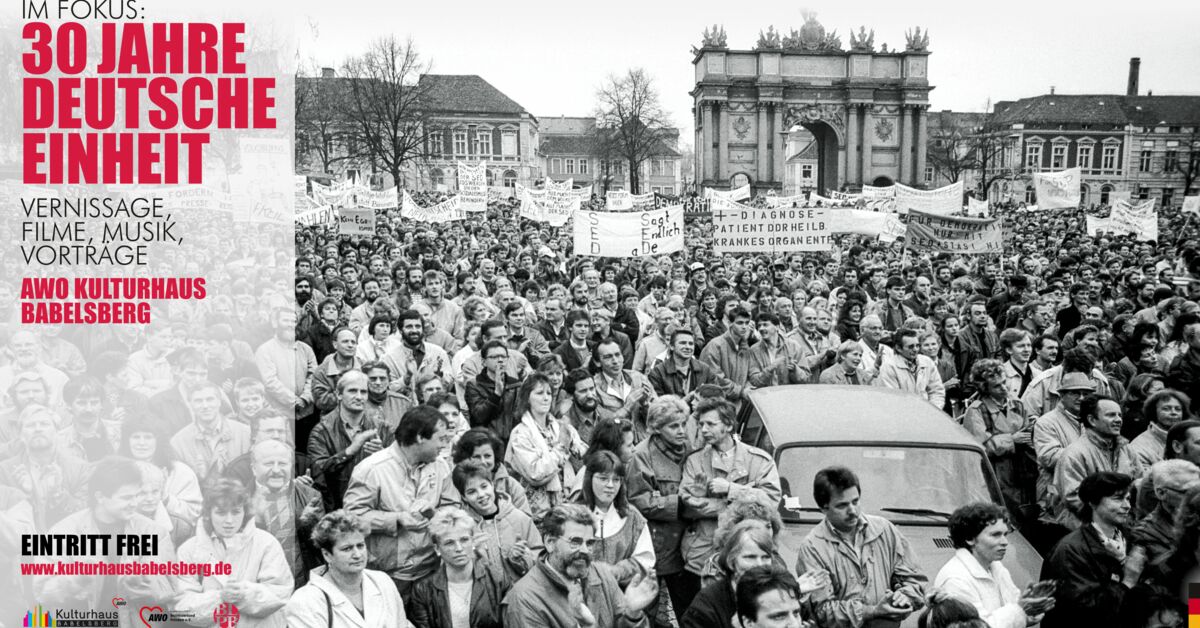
(1056, 190)
(472, 186)
(741, 229)
(737, 194)
(629, 234)
(943, 201)
(356, 221)
(953, 234)
(445, 211)
(786, 201)
(1140, 221)
(378, 199)
(887, 227)
(1191, 204)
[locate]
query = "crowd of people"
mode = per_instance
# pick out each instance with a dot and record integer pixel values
(470, 425)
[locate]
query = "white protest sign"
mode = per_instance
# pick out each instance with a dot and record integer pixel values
(561, 203)
(378, 199)
(629, 234)
(843, 197)
(618, 200)
(195, 198)
(1139, 220)
(356, 221)
(953, 234)
(1095, 225)
(472, 186)
(1191, 204)
(323, 215)
(445, 211)
(813, 197)
(531, 202)
(785, 201)
(584, 192)
(738, 194)
(643, 201)
(942, 201)
(879, 199)
(887, 227)
(1056, 190)
(975, 206)
(741, 229)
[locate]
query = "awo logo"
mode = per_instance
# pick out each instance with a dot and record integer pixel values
(119, 602)
(151, 615)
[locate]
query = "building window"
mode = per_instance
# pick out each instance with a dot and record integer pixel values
(1144, 161)
(1033, 157)
(806, 171)
(555, 165)
(583, 165)
(929, 174)
(570, 166)
(1083, 159)
(510, 179)
(1029, 195)
(508, 143)
(491, 178)
(1108, 159)
(460, 143)
(1143, 193)
(1105, 191)
(483, 142)
(1168, 195)
(1058, 156)
(656, 169)
(436, 177)
(1170, 162)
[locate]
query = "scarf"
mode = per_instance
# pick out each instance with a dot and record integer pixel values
(377, 398)
(675, 453)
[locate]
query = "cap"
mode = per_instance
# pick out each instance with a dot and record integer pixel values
(545, 252)
(1075, 381)
(696, 266)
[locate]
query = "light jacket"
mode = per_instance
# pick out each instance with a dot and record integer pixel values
(1149, 446)
(258, 562)
(764, 371)
(653, 478)
(537, 464)
(311, 605)
(921, 379)
(751, 474)
(540, 600)
(861, 580)
(1088, 455)
(1051, 435)
(611, 406)
(494, 536)
(989, 589)
(730, 360)
(1042, 393)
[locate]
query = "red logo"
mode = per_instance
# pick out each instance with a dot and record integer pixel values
(118, 602)
(226, 615)
(151, 614)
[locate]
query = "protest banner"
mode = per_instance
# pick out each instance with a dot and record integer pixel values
(976, 206)
(378, 199)
(561, 202)
(879, 199)
(531, 203)
(445, 211)
(814, 198)
(786, 201)
(472, 186)
(192, 198)
(1056, 190)
(738, 194)
(618, 200)
(942, 201)
(629, 234)
(643, 201)
(843, 197)
(584, 192)
(738, 228)
(1096, 225)
(499, 193)
(1191, 205)
(935, 233)
(887, 227)
(356, 221)
(323, 215)
(1140, 221)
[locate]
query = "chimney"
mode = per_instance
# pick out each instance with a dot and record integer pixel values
(1051, 90)
(1135, 64)
(327, 73)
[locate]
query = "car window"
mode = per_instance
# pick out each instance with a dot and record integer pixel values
(920, 481)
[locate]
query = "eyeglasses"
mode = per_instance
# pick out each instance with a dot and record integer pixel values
(578, 542)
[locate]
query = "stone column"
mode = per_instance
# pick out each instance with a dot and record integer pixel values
(779, 135)
(922, 142)
(868, 142)
(906, 145)
(706, 150)
(723, 145)
(852, 170)
(762, 163)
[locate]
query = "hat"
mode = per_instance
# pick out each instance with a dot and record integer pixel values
(545, 252)
(696, 266)
(1075, 381)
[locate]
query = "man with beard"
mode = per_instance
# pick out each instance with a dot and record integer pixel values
(978, 337)
(579, 295)
(50, 475)
(1090, 564)
(397, 489)
(342, 360)
(365, 311)
(415, 357)
(305, 303)
(28, 389)
(285, 508)
(287, 367)
(344, 437)
(113, 490)
(87, 436)
(210, 441)
(26, 356)
(890, 590)
(651, 348)
(492, 395)
(582, 415)
(433, 335)
(444, 313)
(566, 589)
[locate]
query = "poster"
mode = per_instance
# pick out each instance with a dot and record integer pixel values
(953, 234)
(944, 200)
(736, 194)
(887, 227)
(1140, 220)
(356, 221)
(1056, 190)
(1191, 205)
(445, 211)
(738, 228)
(629, 234)
(472, 186)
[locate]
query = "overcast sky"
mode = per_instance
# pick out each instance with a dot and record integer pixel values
(551, 56)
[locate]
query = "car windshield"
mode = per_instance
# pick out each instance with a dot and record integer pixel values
(903, 483)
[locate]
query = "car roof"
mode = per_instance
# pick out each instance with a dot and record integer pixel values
(809, 413)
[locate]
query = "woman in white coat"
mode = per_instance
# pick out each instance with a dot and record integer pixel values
(344, 593)
(540, 446)
(975, 574)
(260, 580)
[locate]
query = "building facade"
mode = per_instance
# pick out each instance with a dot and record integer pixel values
(568, 152)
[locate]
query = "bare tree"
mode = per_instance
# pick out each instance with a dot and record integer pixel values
(323, 122)
(630, 121)
(386, 107)
(1188, 163)
(952, 154)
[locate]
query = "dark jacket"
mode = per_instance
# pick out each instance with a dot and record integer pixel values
(487, 409)
(653, 485)
(571, 359)
(331, 467)
(552, 338)
(1089, 588)
(622, 340)
(428, 605)
(713, 607)
(626, 322)
(667, 380)
(1184, 373)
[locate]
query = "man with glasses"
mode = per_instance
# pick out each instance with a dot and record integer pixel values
(565, 588)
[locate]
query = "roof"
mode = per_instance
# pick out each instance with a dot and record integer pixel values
(566, 144)
(825, 413)
(466, 93)
(563, 125)
(809, 152)
(1112, 109)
